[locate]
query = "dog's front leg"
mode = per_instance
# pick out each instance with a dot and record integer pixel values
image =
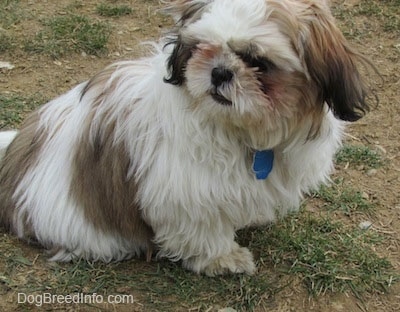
(205, 247)
(238, 260)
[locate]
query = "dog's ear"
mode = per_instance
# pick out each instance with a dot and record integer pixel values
(184, 10)
(333, 65)
(178, 59)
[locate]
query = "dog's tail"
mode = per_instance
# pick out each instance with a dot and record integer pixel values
(6, 137)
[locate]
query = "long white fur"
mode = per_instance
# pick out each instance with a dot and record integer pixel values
(188, 214)
(56, 218)
(195, 189)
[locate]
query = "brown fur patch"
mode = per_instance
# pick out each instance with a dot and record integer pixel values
(333, 66)
(20, 156)
(99, 80)
(100, 183)
(291, 94)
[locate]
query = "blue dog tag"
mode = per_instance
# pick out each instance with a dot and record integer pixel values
(263, 162)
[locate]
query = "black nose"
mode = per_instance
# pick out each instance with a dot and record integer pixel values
(219, 75)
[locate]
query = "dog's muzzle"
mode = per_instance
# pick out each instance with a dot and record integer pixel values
(219, 76)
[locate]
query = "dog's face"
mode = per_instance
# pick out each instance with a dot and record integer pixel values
(264, 63)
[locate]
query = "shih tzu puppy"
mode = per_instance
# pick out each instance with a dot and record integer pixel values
(237, 113)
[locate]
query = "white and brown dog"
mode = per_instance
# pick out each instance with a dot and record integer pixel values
(237, 114)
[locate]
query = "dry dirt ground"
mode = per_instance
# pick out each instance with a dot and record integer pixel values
(38, 73)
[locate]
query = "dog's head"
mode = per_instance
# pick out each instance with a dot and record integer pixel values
(265, 62)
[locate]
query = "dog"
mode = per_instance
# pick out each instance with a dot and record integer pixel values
(235, 115)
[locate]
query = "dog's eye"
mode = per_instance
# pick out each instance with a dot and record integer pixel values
(262, 63)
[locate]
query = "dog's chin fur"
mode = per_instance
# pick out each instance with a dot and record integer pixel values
(156, 154)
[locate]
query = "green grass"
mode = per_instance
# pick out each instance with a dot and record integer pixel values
(359, 155)
(162, 285)
(74, 6)
(385, 13)
(14, 108)
(6, 43)
(170, 281)
(327, 255)
(70, 33)
(109, 10)
(10, 13)
(343, 197)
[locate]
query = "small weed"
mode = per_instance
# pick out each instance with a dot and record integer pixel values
(14, 108)
(108, 10)
(339, 196)
(6, 43)
(14, 260)
(70, 33)
(359, 156)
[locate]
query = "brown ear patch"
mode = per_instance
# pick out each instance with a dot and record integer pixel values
(333, 66)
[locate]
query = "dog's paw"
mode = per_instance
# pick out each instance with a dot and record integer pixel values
(240, 260)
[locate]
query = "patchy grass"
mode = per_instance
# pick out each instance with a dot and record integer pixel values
(343, 197)
(10, 13)
(161, 284)
(327, 255)
(386, 13)
(359, 155)
(70, 33)
(6, 43)
(14, 108)
(108, 10)
(241, 292)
